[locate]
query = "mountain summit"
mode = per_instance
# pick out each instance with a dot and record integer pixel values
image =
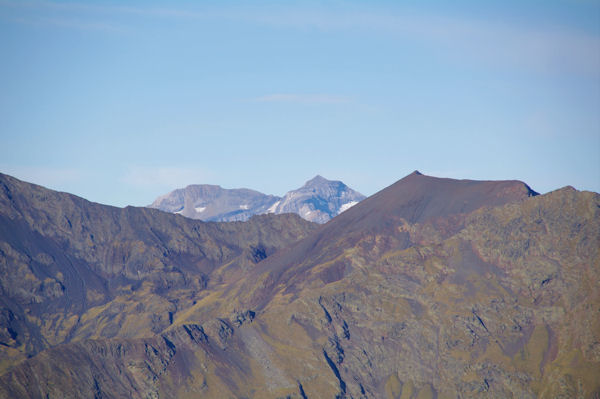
(318, 200)
(414, 199)
(214, 203)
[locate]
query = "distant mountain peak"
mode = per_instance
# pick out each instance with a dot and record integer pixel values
(318, 200)
(213, 203)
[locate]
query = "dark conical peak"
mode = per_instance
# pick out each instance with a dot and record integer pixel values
(418, 198)
(414, 175)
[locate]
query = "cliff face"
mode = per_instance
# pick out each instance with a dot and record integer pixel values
(430, 288)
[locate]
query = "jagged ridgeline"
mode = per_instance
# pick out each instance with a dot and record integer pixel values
(318, 200)
(430, 288)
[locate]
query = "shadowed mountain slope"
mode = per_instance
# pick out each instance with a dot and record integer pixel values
(72, 269)
(432, 288)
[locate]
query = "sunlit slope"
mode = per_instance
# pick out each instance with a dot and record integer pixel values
(430, 288)
(499, 301)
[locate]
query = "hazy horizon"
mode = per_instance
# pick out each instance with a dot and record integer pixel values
(122, 102)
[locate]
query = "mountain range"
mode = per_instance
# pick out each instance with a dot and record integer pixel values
(318, 200)
(430, 288)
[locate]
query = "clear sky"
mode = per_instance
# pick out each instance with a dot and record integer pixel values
(119, 102)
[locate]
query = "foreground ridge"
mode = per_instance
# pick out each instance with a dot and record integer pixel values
(430, 288)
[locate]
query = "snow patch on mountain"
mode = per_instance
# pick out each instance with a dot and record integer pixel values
(347, 206)
(273, 207)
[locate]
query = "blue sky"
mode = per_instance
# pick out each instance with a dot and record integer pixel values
(120, 102)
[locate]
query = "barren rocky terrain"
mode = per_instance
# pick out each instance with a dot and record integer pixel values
(431, 288)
